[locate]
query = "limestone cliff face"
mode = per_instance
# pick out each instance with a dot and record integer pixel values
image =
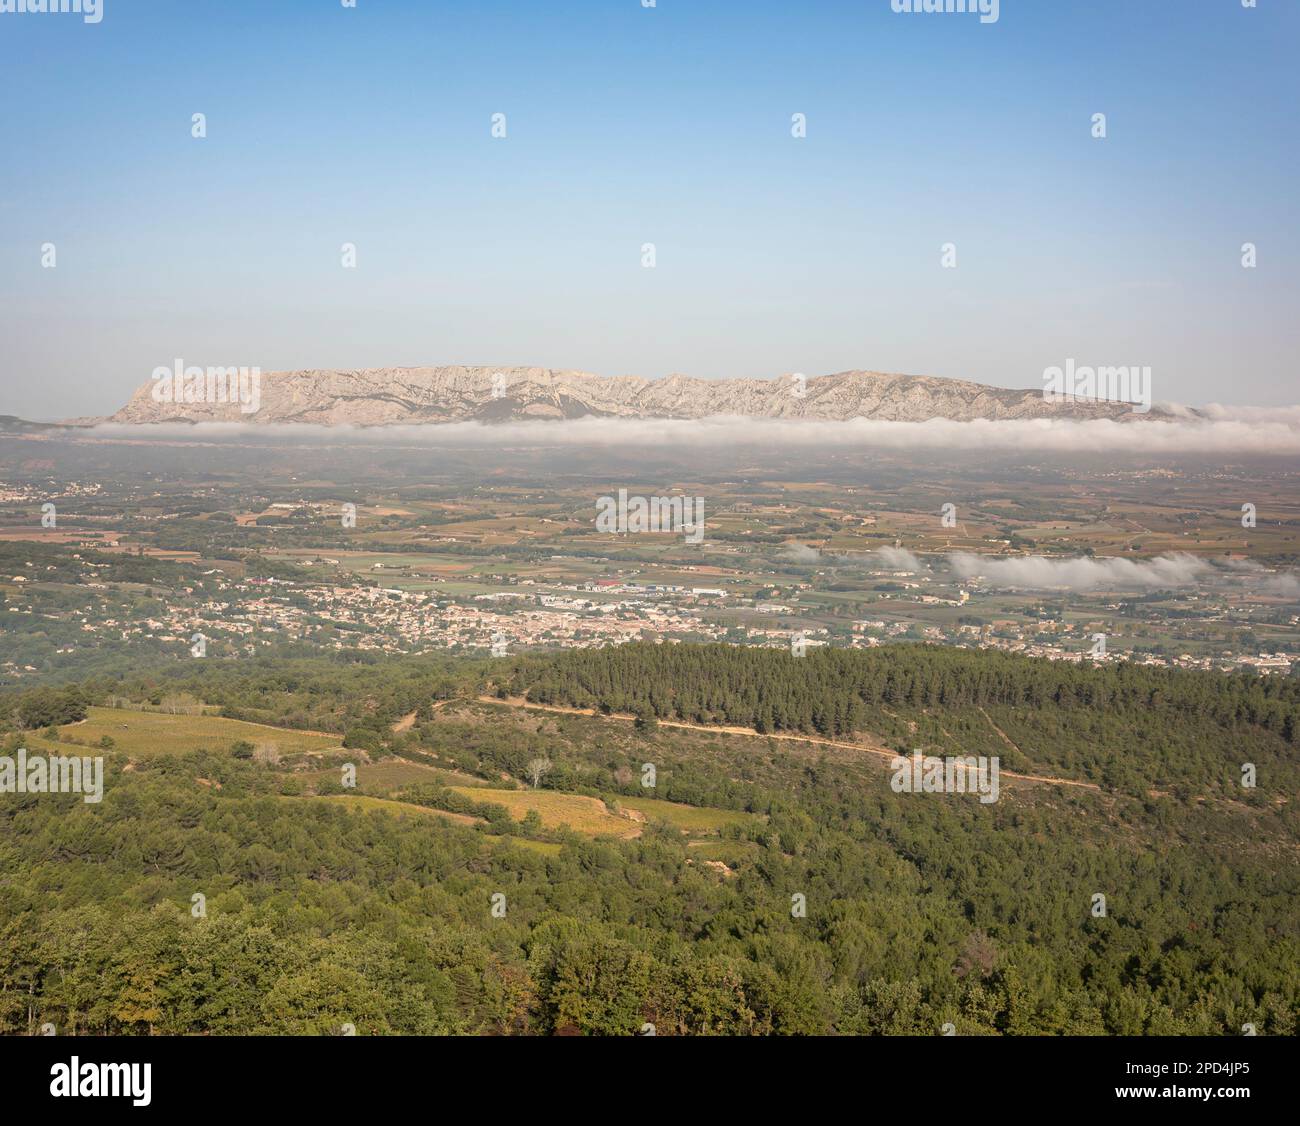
(390, 396)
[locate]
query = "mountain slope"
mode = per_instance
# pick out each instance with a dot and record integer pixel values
(388, 396)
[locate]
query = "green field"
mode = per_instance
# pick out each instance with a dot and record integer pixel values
(690, 819)
(400, 808)
(546, 848)
(383, 805)
(144, 734)
(729, 852)
(387, 775)
(581, 814)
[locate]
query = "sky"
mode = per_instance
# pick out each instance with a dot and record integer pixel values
(672, 125)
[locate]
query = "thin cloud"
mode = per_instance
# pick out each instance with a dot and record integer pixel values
(1084, 573)
(801, 553)
(1226, 431)
(884, 558)
(899, 559)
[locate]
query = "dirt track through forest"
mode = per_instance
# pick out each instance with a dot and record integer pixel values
(881, 752)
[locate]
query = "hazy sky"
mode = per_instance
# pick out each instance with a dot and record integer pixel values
(672, 126)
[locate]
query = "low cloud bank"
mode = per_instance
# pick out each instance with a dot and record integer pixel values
(882, 559)
(803, 554)
(1079, 573)
(1083, 573)
(1224, 430)
(899, 559)
(1288, 416)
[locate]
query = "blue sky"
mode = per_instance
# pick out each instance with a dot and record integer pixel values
(670, 126)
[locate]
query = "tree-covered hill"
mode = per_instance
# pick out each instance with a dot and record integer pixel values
(1121, 725)
(917, 909)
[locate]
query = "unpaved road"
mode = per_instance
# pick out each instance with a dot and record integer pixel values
(881, 752)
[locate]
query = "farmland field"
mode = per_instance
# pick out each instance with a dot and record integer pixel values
(390, 775)
(384, 805)
(581, 814)
(400, 808)
(690, 819)
(546, 848)
(152, 733)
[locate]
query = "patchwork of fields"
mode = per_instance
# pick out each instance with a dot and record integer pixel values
(145, 735)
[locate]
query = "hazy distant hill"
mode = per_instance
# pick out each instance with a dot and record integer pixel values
(387, 396)
(12, 424)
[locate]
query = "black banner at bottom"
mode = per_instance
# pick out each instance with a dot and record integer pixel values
(1221, 1077)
